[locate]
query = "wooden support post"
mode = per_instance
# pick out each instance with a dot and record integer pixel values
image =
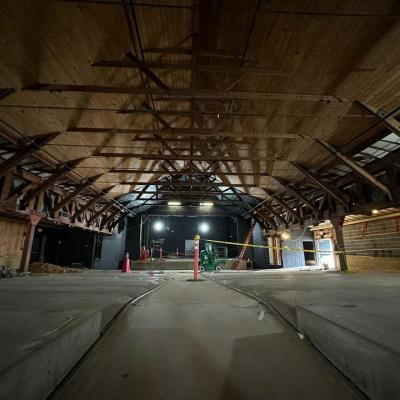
(27, 247)
(337, 223)
(276, 252)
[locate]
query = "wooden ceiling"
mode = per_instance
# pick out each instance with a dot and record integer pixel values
(240, 88)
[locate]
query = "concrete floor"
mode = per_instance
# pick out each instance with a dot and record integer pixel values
(202, 341)
(49, 321)
(353, 319)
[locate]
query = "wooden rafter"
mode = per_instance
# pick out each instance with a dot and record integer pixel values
(176, 93)
(225, 69)
(58, 173)
(22, 153)
(92, 201)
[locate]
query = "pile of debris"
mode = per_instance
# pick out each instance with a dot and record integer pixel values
(6, 272)
(47, 268)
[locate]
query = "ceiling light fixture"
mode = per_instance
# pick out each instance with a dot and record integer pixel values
(204, 227)
(174, 203)
(158, 226)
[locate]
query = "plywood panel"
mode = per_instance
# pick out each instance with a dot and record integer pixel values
(11, 240)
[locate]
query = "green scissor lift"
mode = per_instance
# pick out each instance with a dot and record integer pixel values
(213, 257)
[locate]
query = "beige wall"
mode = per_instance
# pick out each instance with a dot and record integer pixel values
(11, 240)
(366, 263)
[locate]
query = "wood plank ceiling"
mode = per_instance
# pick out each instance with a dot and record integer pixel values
(240, 89)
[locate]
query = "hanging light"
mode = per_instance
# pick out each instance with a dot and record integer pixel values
(204, 227)
(158, 226)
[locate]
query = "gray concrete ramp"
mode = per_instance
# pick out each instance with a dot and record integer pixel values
(199, 340)
(352, 319)
(50, 322)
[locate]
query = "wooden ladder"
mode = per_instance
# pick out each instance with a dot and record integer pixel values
(246, 242)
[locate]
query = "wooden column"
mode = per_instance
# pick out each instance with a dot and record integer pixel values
(337, 223)
(29, 233)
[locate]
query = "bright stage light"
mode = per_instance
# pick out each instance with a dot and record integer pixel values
(204, 227)
(174, 203)
(158, 226)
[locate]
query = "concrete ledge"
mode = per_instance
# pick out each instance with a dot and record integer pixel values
(44, 363)
(373, 367)
(37, 374)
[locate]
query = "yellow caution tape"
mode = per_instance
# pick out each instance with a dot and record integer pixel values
(259, 246)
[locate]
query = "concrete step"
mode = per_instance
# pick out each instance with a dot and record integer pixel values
(371, 365)
(39, 366)
(49, 322)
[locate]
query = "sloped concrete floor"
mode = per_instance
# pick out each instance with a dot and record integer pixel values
(353, 319)
(39, 312)
(364, 302)
(199, 340)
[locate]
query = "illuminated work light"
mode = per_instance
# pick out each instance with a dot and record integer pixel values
(158, 226)
(174, 203)
(204, 227)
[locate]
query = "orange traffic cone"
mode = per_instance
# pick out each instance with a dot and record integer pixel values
(126, 266)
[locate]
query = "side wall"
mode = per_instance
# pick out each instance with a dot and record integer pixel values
(291, 259)
(112, 251)
(11, 240)
(370, 245)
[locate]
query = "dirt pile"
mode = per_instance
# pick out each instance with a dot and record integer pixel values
(47, 268)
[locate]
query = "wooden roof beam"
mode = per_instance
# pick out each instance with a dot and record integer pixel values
(284, 205)
(76, 192)
(184, 172)
(58, 173)
(337, 194)
(21, 154)
(100, 212)
(171, 157)
(225, 69)
(270, 210)
(187, 131)
(92, 201)
(285, 185)
(363, 173)
(145, 69)
(386, 118)
(178, 93)
(5, 92)
(187, 183)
